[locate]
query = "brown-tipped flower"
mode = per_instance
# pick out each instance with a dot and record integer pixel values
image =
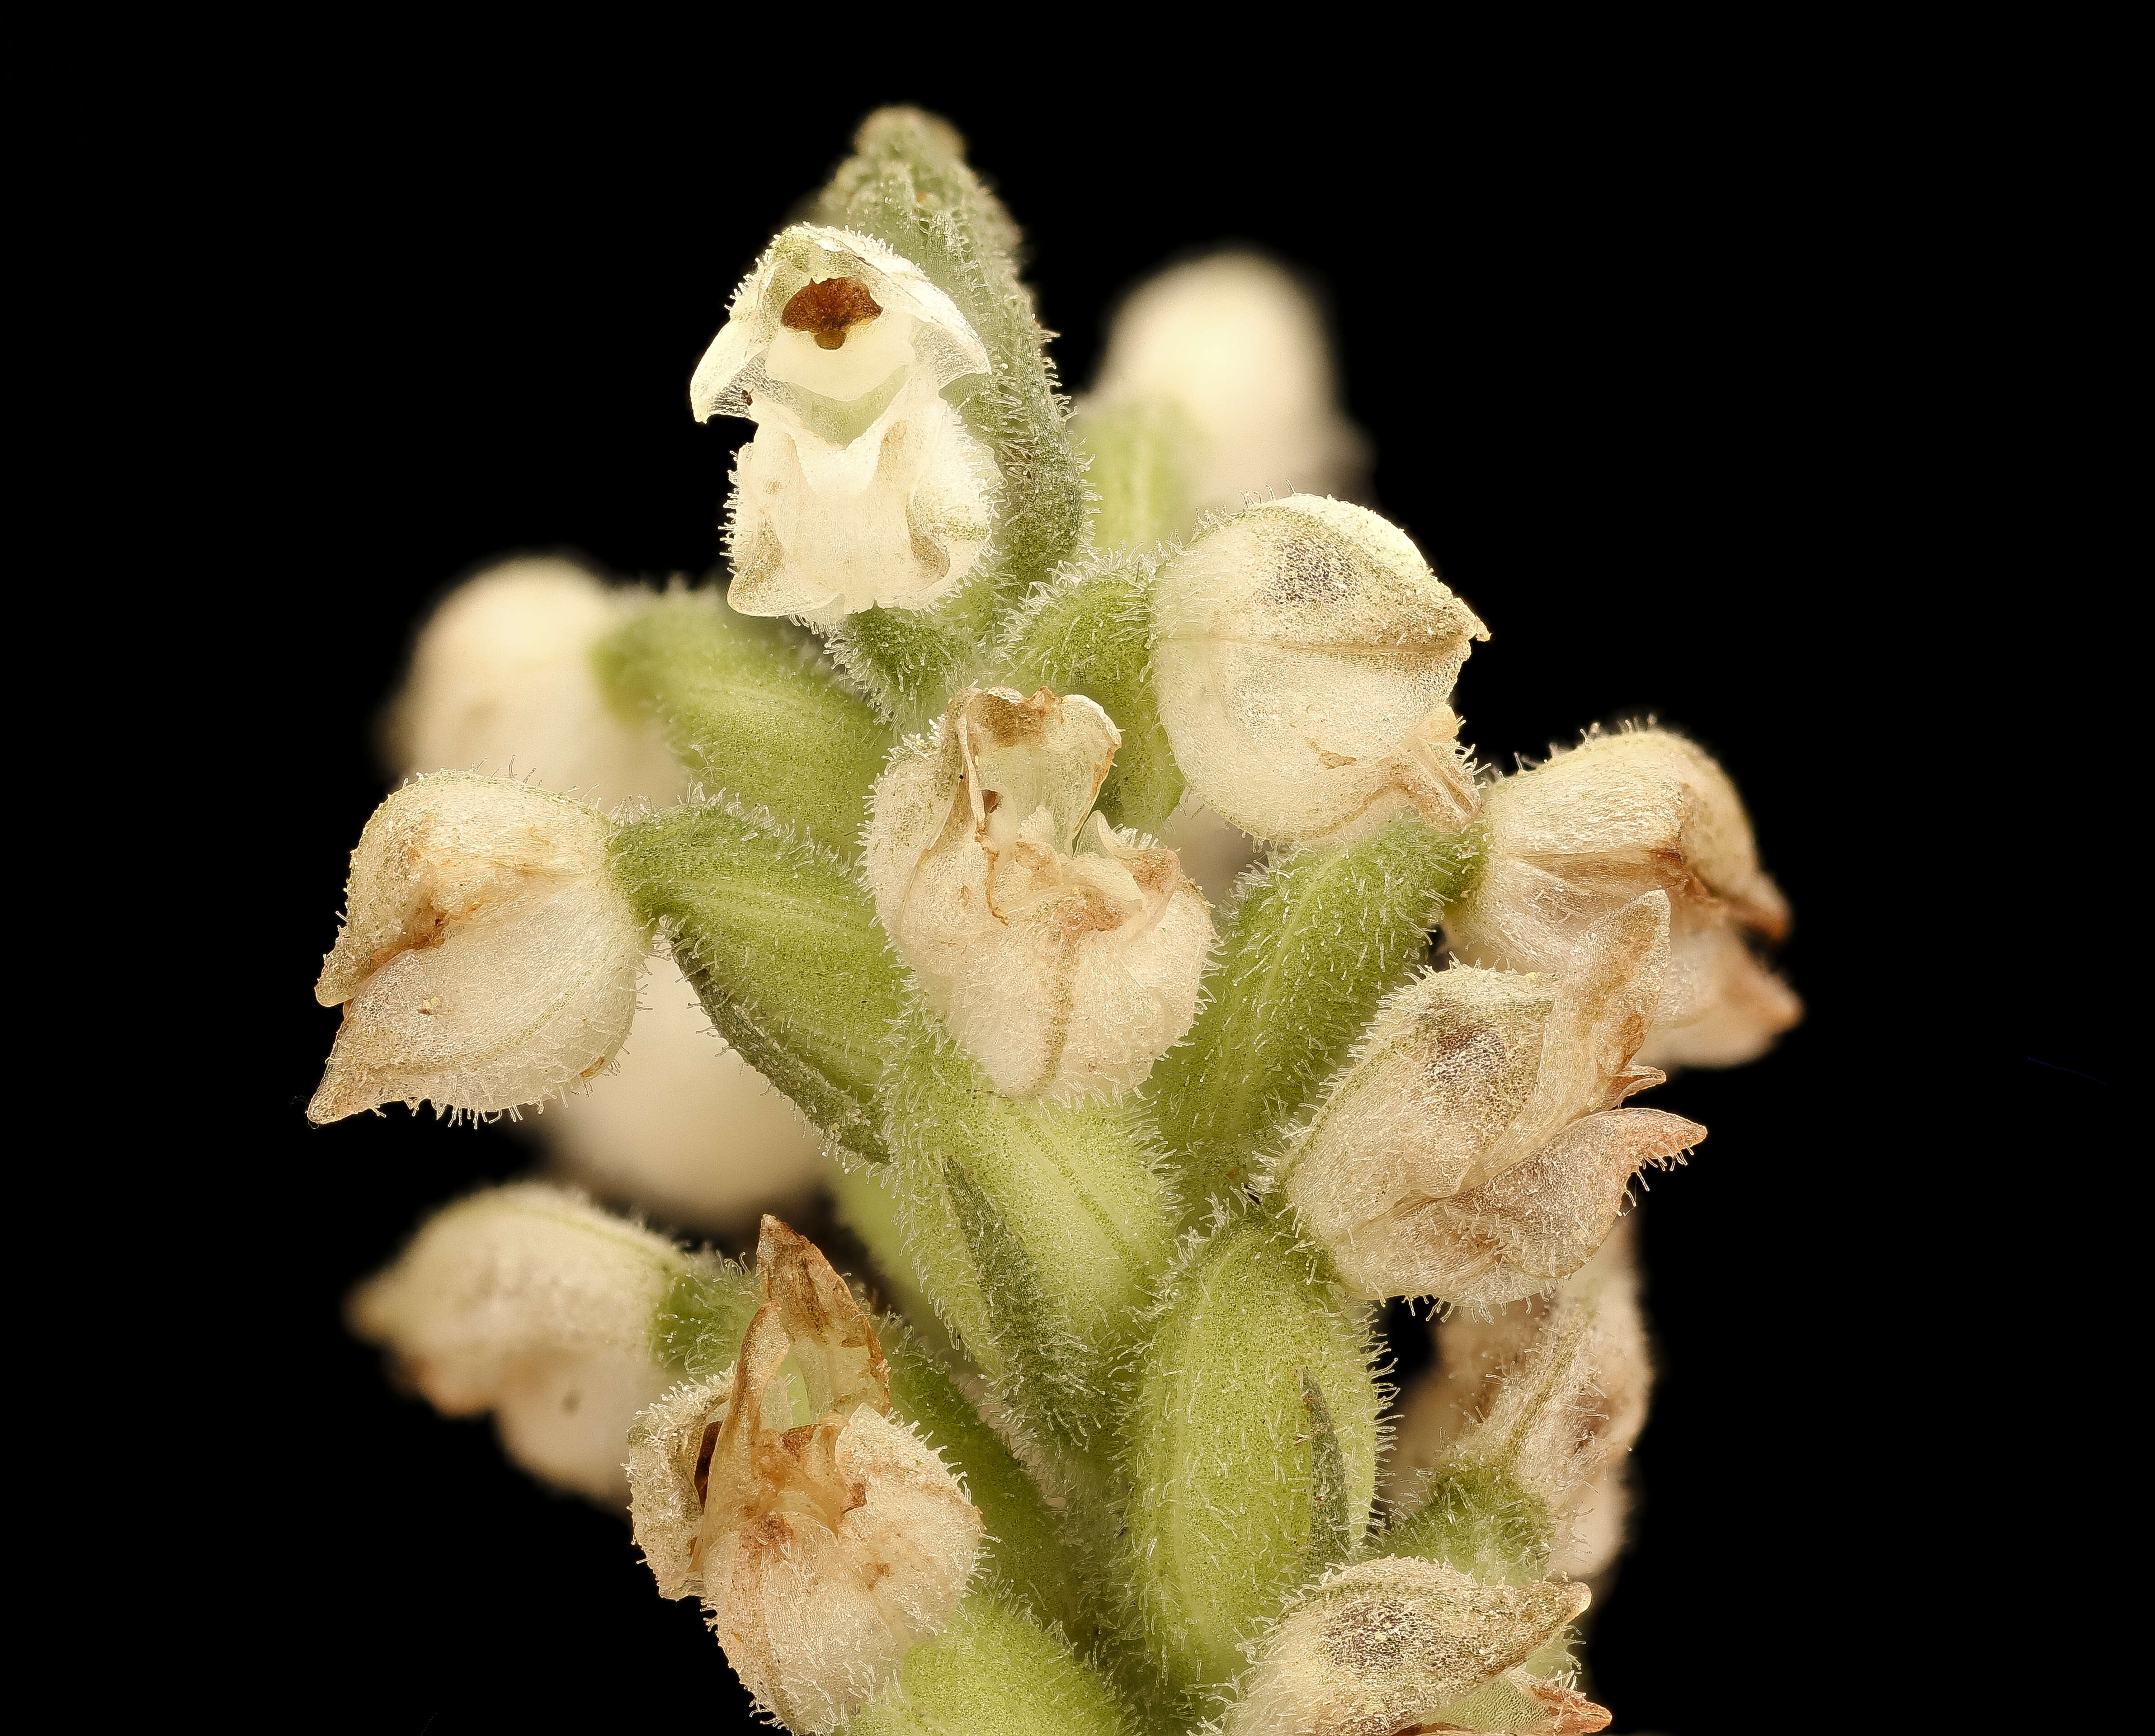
(487, 958)
(1474, 1148)
(1618, 816)
(824, 1536)
(1395, 1645)
(1065, 955)
(863, 487)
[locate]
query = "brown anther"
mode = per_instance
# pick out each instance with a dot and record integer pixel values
(830, 310)
(990, 800)
(703, 1452)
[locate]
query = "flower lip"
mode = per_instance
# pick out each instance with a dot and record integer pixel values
(829, 309)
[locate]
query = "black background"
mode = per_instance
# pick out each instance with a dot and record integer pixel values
(1667, 386)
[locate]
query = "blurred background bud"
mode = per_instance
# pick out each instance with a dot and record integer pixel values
(528, 1301)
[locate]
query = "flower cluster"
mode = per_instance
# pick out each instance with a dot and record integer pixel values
(1132, 1166)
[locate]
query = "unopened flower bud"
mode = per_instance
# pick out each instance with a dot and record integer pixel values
(824, 1536)
(1065, 955)
(1395, 1645)
(863, 487)
(1237, 347)
(1474, 1149)
(487, 958)
(527, 1302)
(502, 677)
(1615, 817)
(1304, 655)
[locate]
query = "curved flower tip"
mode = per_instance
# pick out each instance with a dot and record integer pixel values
(487, 959)
(824, 1537)
(1473, 1149)
(863, 487)
(529, 1302)
(1395, 1644)
(1065, 955)
(1304, 655)
(1615, 817)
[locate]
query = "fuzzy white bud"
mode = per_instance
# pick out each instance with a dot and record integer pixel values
(502, 677)
(527, 1302)
(1395, 1645)
(487, 959)
(1615, 817)
(1066, 955)
(1473, 1149)
(1238, 346)
(863, 487)
(1304, 655)
(824, 1536)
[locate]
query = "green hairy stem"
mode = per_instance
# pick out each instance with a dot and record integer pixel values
(745, 708)
(1251, 1449)
(1039, 1229)
(1310, 945)
(783, 949)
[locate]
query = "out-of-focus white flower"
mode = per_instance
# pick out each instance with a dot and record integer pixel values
(502, 677)
(1473, 1149)
(1065, 955)
(825, 1538)
(1304, 655)
(488, 959)
(682, 1127)
(1617, 816)
(1237, 345)
(1395, 1645)
(526, 1302)
(863, 486)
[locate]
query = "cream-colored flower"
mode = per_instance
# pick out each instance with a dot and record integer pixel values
(502, 677)
(1395, 1645)
(825, 1538)
(487, 959)
(863, 487)
(1464, 1407)
(1473, 1149)
(527, 1302)
(1615, 817)
(1237, 345)
(1065, 955)
(1304, 655)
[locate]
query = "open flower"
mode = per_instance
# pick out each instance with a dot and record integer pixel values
(1397, 1645)
(1065, 955)
(487, 959)
(528, 1301)
(863, 486)
(824, 1537)
(1304, 655)
(1618, 816)
(1473, 1149)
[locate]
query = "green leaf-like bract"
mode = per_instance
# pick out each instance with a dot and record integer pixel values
(1089, 633)
(782, 948)
(1141, 455)
(1038, 1228)
(1312, 942)
(1239, 1487)
(1479, 1519)
(992, 1671)
(746, 709)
